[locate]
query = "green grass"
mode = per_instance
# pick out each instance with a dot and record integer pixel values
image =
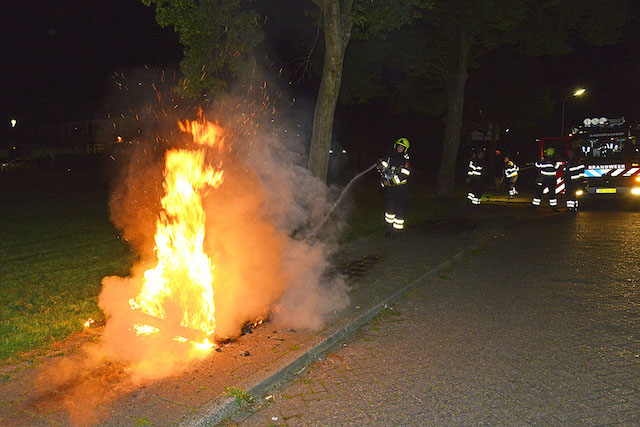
(242, 397)
(144, 421)
(57, 244)
(366, 215)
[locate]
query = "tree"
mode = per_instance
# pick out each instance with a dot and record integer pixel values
(219, 35)
(337, 25)
(458, 32)
(338, 19)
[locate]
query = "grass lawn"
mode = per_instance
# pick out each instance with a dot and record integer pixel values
(366, 215)
(57, 244)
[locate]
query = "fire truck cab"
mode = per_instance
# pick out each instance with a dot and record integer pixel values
(610, 152)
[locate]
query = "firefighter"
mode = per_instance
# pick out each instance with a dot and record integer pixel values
(394, 173)
(573, 176)
(511, 176)
(548, 166)
(475, 178)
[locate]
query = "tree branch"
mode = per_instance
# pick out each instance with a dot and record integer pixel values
(304, 66)
(346, 23)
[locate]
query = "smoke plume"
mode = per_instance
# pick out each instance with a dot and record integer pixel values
(253, 228)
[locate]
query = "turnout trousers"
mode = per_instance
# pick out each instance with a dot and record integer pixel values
(511, 186)
(550, 183)
(475, 190)
(396, 198)
(572, 199)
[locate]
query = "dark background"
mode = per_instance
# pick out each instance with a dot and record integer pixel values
(59, 59)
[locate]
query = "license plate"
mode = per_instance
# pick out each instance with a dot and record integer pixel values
(605, 190)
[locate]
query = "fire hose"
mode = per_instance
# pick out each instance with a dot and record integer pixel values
(315, 231)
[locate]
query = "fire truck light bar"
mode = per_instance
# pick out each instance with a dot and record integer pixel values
(600, 121)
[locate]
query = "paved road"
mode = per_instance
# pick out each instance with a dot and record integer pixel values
(541, 327)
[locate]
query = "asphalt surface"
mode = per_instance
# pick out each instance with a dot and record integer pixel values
(263, 356)
(540, 327)
(499, 316)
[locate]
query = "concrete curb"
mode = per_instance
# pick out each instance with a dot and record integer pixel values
(293, 363)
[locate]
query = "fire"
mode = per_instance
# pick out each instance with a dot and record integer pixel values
(180, 286)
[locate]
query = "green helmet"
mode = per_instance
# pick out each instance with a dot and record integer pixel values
(402, 141)
(549, 151)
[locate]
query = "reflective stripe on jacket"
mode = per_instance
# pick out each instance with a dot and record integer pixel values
(548, 167)
(395, 170)
(510, 169)
(574, 169)
(475, 168)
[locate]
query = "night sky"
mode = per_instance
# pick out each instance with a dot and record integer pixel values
(58, 59)
(58, 56)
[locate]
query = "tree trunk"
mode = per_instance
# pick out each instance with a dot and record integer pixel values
(455, 77)
(337, 32)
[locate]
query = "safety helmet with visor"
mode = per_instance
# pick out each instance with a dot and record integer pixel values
(402, 141)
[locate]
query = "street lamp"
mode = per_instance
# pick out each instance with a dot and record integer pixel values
(576, 93)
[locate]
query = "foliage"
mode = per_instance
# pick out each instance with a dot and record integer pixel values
(216, 35)
(242, 397)
(383, 16)
(551, 26)
(454, 35)
(532, 27)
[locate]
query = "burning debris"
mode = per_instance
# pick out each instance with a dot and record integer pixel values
(223, 257)
(210, 212)
(180, 287)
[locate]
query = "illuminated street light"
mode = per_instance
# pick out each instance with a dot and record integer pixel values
(14, 122)
(576, 93)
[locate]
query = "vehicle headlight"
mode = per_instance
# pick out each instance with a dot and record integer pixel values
(579, 193)
(635, 190)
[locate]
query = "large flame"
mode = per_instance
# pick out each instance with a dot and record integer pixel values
(180, 286)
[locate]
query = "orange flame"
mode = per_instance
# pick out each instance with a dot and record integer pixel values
(182, 281)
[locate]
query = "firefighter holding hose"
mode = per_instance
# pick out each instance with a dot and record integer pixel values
(394, 173)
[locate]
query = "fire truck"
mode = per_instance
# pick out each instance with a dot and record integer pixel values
(610, 152)
(611, 155)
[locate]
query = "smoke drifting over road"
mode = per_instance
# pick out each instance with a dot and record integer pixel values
(253, 221)
(253, 218)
